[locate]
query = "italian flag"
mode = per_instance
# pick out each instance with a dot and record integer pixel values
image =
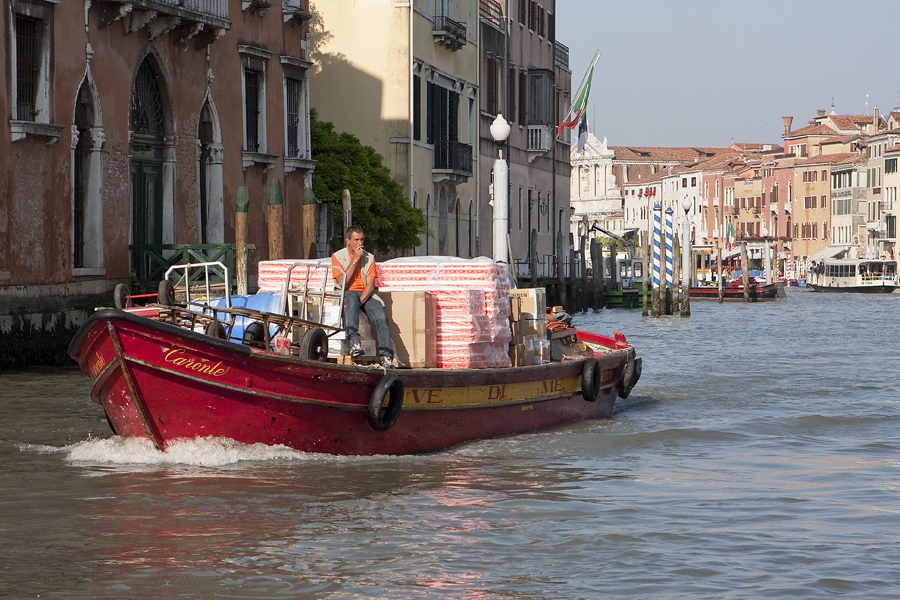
(730, 236)
(575, 113)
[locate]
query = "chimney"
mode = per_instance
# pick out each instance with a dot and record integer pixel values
(821, 112)
(875, 118)
(787, 125)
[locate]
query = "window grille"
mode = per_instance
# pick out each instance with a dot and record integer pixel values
(294, 88)
(251, 93)
(27, 67)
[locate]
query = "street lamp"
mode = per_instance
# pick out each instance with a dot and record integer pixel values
(500, 192)
(686, 204)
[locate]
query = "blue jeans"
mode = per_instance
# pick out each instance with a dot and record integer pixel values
(375, 311)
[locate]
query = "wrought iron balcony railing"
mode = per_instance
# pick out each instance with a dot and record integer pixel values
(189, 17)
(453, 156)
(561, 55)
(449, 33)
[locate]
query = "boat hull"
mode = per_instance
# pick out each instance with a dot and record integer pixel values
(759, 293)
(158, 381)
(856, 289)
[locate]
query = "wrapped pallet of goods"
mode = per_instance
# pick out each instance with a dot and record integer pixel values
(466, 329)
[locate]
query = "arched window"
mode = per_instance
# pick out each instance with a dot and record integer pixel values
(456, 245)
(428, 223)
(471, 227)
(87, 174)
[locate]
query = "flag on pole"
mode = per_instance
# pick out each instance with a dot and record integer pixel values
(730, 236)
(579, 104)
(582, 133)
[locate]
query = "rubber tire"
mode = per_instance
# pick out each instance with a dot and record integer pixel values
(121, 296)
(314, 344)
(590, 380)
(255, 335)
(165, 294)
(216, 329)
(630, 377)
(390, 387)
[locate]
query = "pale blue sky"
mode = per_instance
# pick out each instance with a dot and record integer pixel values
(712, 72)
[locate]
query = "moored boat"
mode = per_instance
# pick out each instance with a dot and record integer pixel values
(157, 376)
(734, 292)
(855, 275)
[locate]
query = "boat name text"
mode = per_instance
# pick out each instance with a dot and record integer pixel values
(192, 364)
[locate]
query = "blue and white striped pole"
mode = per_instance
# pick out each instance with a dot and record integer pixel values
(657, 218)
(669, 213)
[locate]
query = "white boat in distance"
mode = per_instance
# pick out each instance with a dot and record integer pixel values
(856, 275)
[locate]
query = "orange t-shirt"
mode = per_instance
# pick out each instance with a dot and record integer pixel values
(356, 283)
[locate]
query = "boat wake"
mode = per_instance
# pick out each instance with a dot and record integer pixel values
(203, 452)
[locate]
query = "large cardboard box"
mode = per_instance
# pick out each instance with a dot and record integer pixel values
(406, 316)
(532, 300)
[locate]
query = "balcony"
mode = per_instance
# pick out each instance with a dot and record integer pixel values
(449, 33)
(452, 161)
(539, 140)
(206, 20)
(561, 56)
(296, 9)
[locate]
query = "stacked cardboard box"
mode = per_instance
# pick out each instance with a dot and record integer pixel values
(528, 310)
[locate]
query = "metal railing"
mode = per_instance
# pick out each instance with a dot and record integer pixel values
(153, 261)
(561, 55)
(453, 156)
(216, 9)
(451, 27)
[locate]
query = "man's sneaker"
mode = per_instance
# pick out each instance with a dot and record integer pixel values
(356, 350)
(387, 362)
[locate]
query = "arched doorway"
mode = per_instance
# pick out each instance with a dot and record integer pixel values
(147, 127)
(210, 186)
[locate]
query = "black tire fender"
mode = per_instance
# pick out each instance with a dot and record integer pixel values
(121, 296)
(314, 344)
(391, 388)
(630, 377)
(165, 295)
(255, 335)
(590, 380)
(216, 329)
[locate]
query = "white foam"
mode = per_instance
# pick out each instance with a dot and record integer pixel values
(205, 452)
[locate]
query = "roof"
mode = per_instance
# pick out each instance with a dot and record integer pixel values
(842, 139)
(834, 159)
(822, 130)
(651, 155)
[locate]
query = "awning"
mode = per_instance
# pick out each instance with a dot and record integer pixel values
(829, 252)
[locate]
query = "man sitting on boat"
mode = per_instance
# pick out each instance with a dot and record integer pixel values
(360, 293)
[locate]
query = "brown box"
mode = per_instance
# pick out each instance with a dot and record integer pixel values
(406, 316)
(515, 307)
(517, 354)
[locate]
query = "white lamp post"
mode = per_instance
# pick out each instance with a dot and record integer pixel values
(686, 204)
(500, 192)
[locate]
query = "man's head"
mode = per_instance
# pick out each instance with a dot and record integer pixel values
(354, 237)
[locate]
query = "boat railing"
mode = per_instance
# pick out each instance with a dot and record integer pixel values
(207, 286)
(313, 291)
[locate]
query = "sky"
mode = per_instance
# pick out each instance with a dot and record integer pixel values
(709, 73)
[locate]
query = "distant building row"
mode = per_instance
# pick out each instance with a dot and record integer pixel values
(830, 191)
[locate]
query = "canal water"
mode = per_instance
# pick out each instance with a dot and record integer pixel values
(758, 457)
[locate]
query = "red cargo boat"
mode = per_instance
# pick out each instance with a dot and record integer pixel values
(162, 379)
(734, 292)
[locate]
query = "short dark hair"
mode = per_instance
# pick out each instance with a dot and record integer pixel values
(353, 229)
